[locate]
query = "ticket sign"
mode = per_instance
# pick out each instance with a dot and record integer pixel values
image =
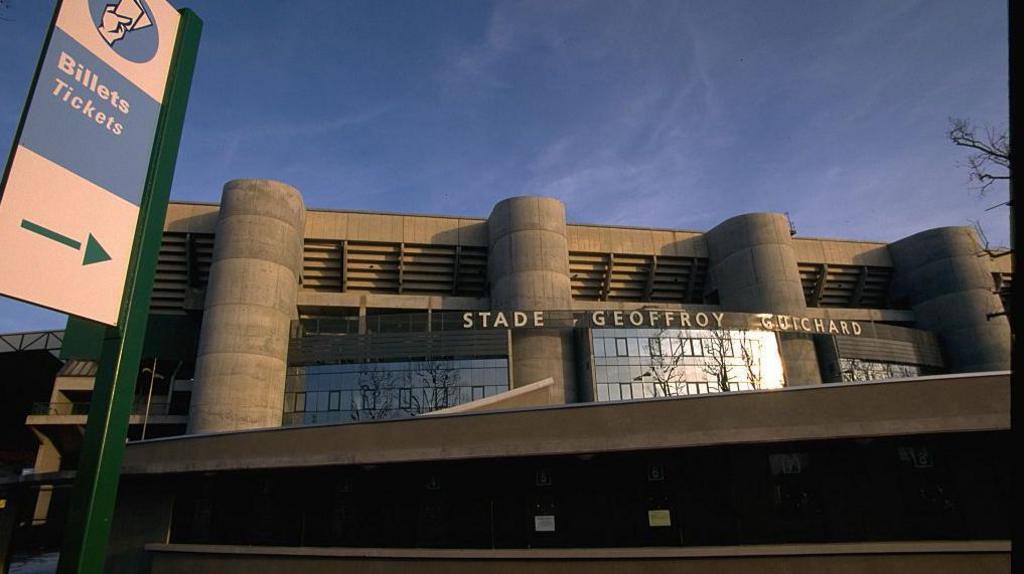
(74, 183)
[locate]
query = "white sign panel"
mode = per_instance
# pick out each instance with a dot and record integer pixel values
(74, 183)
(544, 523)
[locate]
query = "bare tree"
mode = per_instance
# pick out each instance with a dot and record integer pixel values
(376, 395)
(750, 357)
(986, 246)
(439, 391)
(666, 364)
(989, 161)
(719, 356)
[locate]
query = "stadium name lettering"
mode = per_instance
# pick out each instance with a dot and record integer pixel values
(789, 323)
(647, 318)
(502, 319)
(651, 318)
(657, 319)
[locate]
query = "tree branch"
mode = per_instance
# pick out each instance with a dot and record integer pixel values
(993, 151)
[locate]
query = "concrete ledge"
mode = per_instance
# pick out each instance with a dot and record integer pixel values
(946, 403)
(954, 557)
(834, 549)
(308, 298)
(532, 395)
(44, 420)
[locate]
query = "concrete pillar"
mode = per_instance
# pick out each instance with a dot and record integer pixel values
(754, 268)
(250, 302)
(47, 460)
(528, 267)
(945, 275)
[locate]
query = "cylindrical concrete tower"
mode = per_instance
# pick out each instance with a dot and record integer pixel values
(528, 267)
(944, 274)
(754, 268)
(250, 302)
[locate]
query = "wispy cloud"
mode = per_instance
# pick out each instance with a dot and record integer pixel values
(641, 138)
(290, 131)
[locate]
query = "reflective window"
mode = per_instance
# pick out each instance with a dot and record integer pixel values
(696, 347)
(650, 363)
(369, 391)
(621, 349)
(654, 346)
(863, 370)
(634, 346)
(625, 391)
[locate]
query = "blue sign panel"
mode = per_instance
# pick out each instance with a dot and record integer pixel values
(91, 119)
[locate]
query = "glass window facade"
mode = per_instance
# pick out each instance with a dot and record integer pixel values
(865, 370)
(633, 364)
(368, 391)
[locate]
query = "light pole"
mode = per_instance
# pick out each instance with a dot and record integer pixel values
(149, 397)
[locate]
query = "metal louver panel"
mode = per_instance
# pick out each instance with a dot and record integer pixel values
(394, 268)
(322, 266)
(632, 277)
(856, 286)
(922, 351)
(327, 349)
(183, 264)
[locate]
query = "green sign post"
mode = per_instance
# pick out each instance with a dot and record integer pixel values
(95, 492)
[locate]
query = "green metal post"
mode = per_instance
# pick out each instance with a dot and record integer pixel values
(84, 546)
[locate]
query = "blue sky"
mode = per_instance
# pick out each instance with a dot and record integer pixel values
(661, 113)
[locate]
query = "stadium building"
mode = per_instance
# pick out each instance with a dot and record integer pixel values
(325, 389)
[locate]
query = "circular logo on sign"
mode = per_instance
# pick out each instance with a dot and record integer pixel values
(127, 26)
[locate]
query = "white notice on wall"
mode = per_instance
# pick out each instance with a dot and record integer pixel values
(544, 523)
(659, 518)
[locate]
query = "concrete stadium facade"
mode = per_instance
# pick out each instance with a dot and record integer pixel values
(935, 293)
(269, 315)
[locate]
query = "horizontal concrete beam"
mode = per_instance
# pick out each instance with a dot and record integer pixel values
(832, 549)
(905, 557)
(47, 420)
(388, 301)
(944, 403)
(539, 394)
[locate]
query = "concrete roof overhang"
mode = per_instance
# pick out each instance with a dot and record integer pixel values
(925, 405)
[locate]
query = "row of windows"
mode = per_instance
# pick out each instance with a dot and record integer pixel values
(666, 333)
(461, 364)
(659, 346)
(705, 373)
(682, 362)
(427, 377)
(405, 399)
(453, 372)
(675, 342)
(863, 370)
(648, 390)
(338, 393)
